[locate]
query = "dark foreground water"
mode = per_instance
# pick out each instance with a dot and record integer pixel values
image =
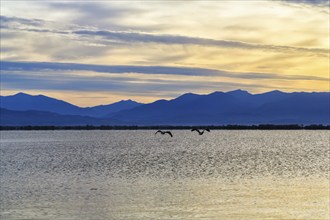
(139, 175)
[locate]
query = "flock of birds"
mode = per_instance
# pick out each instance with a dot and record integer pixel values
(200, 132)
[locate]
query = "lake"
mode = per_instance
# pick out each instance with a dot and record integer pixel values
(139, 175)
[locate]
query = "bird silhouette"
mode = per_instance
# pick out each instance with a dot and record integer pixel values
(200, 132)
(164, 132)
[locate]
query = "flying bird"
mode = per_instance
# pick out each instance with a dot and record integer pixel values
(164, 132)
(200, 132)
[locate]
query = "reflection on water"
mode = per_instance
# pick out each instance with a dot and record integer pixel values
(137, 175)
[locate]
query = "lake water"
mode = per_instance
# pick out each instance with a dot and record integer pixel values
(139, 175)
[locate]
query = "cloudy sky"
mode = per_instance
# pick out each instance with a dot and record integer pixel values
(99, 52)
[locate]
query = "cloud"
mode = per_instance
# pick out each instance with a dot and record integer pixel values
(150, 70)
(176, 39)
(28, 24)
(129, 86)
(98, 14)
(129, 37)
(37, 66)
(6, 21)
(321, 5)
(311, 2)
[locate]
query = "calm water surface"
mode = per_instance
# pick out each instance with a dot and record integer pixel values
(139, 175)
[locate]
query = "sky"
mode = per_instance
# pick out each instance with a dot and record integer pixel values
(99, 52)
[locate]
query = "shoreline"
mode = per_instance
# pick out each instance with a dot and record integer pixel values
(169, 127)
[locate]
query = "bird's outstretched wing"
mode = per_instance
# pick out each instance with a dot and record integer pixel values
(207, 129)
(194, 129)
(168, 132)
(158, 131)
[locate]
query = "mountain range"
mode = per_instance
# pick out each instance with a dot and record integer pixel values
(217, 108)
(24, 102)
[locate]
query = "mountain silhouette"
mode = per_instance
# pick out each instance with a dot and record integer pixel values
(109, 110)
(235, 107)
(31, 117)
(25, 102)
(217, 108)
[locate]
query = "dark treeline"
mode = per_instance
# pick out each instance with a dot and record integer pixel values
(171, 127)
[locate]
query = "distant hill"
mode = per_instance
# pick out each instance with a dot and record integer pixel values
(235, 107)
(217, 108)
(21, 118)
(109, 110)
(25, 102)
